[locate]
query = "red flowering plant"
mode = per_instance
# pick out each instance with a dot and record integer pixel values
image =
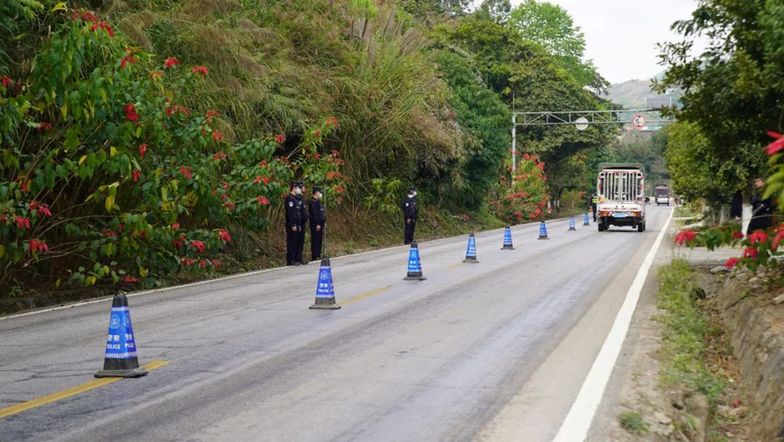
(95, 198)
(252, 178)
(527, 198)
(318, 167)
(759, 247)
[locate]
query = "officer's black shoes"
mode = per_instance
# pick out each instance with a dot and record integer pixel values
(302, 263)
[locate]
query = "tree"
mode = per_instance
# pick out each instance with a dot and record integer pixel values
(550, 26)
(697, 173)
(531, 79)
(553, 28)
(427, 9)
(644, 149)
(498, 10)
(486, 123)
(733, 90)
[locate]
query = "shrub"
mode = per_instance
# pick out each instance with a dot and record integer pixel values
(527, 199)
(105, 177)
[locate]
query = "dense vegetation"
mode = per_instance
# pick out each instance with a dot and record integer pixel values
(732, 118)
(733, 95)
(140, 137)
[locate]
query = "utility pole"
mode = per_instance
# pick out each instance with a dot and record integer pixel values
(514, 146)
(514, 140)
(324, 226)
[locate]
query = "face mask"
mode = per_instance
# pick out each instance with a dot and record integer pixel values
(298, 191)
(317, 195)
(414, 193)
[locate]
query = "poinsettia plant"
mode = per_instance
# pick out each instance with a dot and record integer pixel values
(107, 177)
(322, 168)
(527, 198)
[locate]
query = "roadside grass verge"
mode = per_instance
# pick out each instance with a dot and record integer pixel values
(685, 211)
(689, 338)
(633, 422)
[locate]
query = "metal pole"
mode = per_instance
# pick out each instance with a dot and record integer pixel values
(514, 146)
(324, 227)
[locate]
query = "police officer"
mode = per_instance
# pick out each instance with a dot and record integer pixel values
(594, 202)
(409, 216)
(295, 224)
(303, 211)
(761, 209)
(318, 216)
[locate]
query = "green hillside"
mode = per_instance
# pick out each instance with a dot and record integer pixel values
(146, 139)
(638, 94)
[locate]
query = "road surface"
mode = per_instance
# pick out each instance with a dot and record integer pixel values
(490, 351)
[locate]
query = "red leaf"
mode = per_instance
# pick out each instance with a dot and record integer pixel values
(130, 112)
(22, 222)
(202, 70)
(198, 245)
(170, 62)
(38, 246)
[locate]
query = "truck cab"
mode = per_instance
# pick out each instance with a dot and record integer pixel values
(662, 194)
(621, 191)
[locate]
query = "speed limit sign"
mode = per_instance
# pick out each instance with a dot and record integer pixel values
(638, 121)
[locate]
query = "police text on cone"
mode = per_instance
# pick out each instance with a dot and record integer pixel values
(325, 289)
(471, 249)
(120, 359)
(414, 264)
(508, 239)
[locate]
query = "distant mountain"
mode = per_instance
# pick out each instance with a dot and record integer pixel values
(630, 94)
(637, 94)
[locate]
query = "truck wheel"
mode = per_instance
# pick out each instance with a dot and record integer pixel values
(602, 226)
(641, 227)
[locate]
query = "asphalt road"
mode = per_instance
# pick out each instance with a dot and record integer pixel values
(482, 351)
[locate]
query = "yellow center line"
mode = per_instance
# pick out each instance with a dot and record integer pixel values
(68, 392)
(366, 295)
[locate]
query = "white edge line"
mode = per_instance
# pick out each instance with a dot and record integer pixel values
(580, 417)
(227, 278)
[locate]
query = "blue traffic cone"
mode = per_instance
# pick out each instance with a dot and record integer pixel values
(543, 230)
(586, 220)
(325, 290)
(507, 239)
(471, 249)
(572, 223)
(414, 264)
(120, 359)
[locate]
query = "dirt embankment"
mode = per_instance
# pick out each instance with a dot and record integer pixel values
(708, 359)
(754, 316)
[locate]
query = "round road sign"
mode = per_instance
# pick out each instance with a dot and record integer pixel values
(581, 123)
(638, 121)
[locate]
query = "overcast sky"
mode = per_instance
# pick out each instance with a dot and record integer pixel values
(621, 35)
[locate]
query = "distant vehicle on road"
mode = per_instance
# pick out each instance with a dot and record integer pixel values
(662, 194)
(621, 190)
